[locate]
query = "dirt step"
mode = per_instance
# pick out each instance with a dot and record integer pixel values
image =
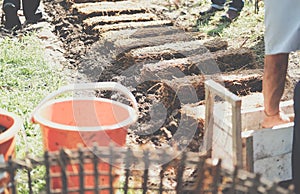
(166, 69)
(142, 63)
(168, 51)
(216, 44)
(180, 48)
(190, 89)
(135, 58)
(143, 32)
(128, 44)
(223, 60)
(84, 10)
(101, 20)
(203, 63)
(120, 26)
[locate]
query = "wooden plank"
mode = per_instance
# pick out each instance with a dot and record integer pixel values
(251, 101)
(269, 150)
(277, 168)
(272, 146)
(101, 20)
(217, 179)
(223, 136)
(264, 145)
(231, 135)
(219, 90)
(222, 146)
(252, 117)
(105, 7)
(125, 25)
(209, 120)
(236, 133)
(248, 153)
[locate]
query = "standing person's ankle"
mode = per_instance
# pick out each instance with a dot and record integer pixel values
(271, 120)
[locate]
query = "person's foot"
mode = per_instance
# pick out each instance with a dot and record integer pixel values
(12, 21)
(210, 11)
(273, 120)
(38, 17)
(35, 18)
(230, 15)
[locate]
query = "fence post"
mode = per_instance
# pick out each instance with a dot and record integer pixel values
(111, 177)
(216, 171)
(127, 171)
(200, 175)
(162, 170)
(81, 170)
(146, 170)
(12, 174)
(28, 168)
(180, 173)
(63, 167)
(96, 175)
(47, 165)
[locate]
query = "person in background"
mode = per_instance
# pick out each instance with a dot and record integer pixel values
(235, 7)
(31, 12)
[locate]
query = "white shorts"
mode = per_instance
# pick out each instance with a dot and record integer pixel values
(282, 21)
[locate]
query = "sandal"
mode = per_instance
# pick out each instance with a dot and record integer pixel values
(230, 15)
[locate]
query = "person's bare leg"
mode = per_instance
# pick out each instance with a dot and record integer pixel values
(275, 70)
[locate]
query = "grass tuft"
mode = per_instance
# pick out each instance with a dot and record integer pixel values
(26, 79)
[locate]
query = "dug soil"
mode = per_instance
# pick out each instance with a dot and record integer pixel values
(163, 62)
(104, 51)
(159, 57)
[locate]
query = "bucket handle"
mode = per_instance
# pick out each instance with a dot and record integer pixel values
(113, 86)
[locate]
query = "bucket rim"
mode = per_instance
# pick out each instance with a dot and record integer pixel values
(13, 129)
(132, 117)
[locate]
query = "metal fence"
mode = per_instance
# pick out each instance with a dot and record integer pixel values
(125, 170)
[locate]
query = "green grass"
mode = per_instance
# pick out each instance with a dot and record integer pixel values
(26, 79)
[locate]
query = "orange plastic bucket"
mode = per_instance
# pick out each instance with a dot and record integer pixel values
(12, 124)
(65, 123)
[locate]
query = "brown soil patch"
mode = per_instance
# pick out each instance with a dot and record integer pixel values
(164, 66)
